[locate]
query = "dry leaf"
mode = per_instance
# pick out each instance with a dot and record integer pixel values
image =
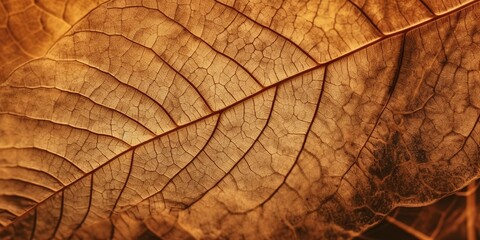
(236, 119)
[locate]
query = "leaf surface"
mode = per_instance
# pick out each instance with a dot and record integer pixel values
(206, 119)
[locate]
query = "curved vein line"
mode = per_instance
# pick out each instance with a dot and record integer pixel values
(85, 16)
(317, 106)
(83, 96)
(46, 151)
(155, 53)
(18, 11)
(390, 93)
(88, 209)
(17, 196)
(37, 171)
(59, 217)
(63, 124)
(15, 40)
(125, 184)
(64, 8)
(25, 182)
(118, 80)
(467, 137)
(201, 40)
(34, 224)
(427, 7)
(184, 168)
(366, 17)
(244, 154)
(48, 12)
(3, 210)
(269, 29)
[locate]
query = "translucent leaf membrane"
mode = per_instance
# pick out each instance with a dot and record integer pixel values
(235, 119)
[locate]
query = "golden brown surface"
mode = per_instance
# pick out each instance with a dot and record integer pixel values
(28, 28)
(233, 119)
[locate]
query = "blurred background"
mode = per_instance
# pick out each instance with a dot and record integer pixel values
(455, 217)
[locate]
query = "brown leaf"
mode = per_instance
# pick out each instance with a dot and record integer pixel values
(206, 119)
